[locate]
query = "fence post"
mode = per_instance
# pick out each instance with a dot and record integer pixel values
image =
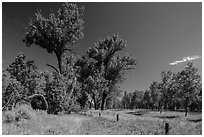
(117, 117)
(166, 128)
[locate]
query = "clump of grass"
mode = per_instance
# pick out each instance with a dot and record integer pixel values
(8, 117)
(24, 112)
(20, 113)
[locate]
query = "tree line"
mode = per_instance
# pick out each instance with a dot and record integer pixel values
(175, 91)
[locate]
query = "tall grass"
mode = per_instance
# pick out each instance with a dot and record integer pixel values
(24, 120)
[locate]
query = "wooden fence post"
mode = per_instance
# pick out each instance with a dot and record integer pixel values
(117, 117)
(166, 128)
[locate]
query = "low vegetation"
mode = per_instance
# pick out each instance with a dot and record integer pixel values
(33, 122)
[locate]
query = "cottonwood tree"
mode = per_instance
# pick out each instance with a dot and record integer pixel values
(58, 32)
(111, 66)
(189, 84)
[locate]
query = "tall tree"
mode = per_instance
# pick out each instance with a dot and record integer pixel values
(189, 84)
(112, 67)
(58, 32)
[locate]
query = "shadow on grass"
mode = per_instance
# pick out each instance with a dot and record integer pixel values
(138, 113)
(195, 120)
(170, 117)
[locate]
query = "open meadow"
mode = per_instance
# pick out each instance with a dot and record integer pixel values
(139, 122)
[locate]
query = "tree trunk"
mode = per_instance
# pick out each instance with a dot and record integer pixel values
(186, 107)
(90, 105)
(103, 100)
(59, 60)
(161, 107)
(95, 104)
(161, 110)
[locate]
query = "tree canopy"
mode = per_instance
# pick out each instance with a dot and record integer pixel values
(58, 32)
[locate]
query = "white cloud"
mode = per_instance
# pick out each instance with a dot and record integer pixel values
(185, 59)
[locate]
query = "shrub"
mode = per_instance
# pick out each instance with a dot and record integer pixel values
(75, 108)
(38, 102)
(8, 117)
(24, 112)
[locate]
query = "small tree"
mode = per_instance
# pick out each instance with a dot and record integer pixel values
(57, 32)
(26, 73)
(12, 91)
(57, 93)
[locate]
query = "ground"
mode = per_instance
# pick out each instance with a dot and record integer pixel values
(89, 122)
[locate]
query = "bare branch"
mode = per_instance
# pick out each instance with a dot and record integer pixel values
(53, 68)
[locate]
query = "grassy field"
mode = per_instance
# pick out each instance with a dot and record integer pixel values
(88, 122)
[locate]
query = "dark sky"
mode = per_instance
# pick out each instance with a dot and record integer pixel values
(156, 34)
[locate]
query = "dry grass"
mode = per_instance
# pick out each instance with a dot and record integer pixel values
(88, 122)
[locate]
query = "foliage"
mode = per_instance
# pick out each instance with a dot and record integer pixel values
(20, 80)
(111, 67)
(19, 113)
(57, 32)
(95, 86)
(24, 112)
(154, 95)
(8, 117)
(126, 100)
(38, 101)
(175, 91)
(82, 98)
(26, 73)
(56, 93)
(189, 85)
(12, 91)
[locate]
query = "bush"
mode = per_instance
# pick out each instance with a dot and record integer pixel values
(75, 108)
(8, 117)
(24, 112)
